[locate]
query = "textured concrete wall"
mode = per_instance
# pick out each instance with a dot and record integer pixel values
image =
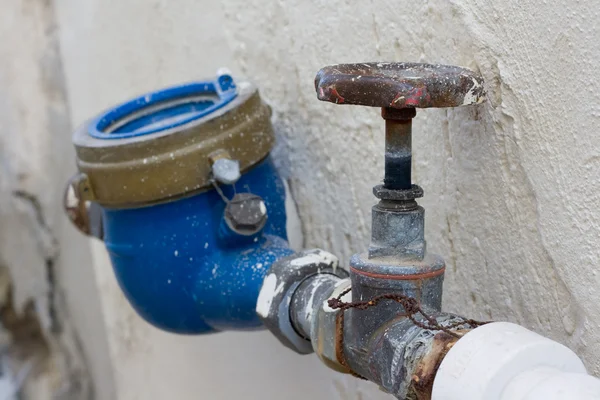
(511, 186)
(49, 309)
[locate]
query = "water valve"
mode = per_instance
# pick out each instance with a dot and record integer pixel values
(397, 258)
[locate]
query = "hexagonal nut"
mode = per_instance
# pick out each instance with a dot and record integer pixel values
(273, 304)
(246, 214)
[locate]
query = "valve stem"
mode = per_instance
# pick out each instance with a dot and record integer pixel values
(398, 151)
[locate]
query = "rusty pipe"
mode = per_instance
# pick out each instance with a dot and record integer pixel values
(399, 356)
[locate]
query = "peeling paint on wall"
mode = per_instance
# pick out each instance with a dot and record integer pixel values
(36, 318)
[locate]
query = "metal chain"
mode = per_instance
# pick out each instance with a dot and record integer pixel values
(411, 307)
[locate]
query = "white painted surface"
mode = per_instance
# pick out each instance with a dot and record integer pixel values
(511, 185)
(554, 385)
(267, 292)
(504, 361)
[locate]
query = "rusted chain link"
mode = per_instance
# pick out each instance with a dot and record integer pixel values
(411, 307)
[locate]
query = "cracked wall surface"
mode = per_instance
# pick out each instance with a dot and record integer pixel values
(511, 186)
(49, 313)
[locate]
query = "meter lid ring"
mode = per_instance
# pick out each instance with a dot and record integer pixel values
(164, 109)
(175, 161)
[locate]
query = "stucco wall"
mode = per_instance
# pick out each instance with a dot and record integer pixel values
(50, 314)
(511, 186)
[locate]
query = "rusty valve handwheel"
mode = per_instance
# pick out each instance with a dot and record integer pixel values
(399, 88)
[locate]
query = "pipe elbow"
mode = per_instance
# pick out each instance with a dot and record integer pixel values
(183, 271)
(196, 295)
(230, 291)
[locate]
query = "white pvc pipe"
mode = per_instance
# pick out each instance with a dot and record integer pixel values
(504, 361)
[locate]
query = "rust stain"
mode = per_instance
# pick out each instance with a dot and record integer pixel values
(411, 277)
(339, 339)
(424, 375)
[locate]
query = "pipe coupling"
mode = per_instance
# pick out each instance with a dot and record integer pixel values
(282, 281)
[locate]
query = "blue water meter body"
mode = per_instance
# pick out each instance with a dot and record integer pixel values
(184, 270)
(181, 267)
